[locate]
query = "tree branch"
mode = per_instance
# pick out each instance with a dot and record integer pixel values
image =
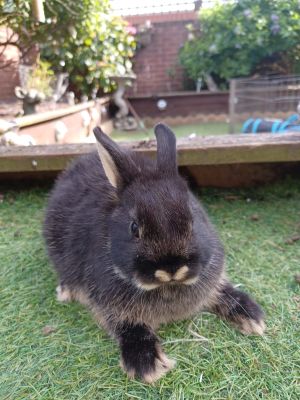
(7, 64)
(63, 4)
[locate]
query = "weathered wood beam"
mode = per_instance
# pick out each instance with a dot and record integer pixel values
(34, 119)
(208, 150)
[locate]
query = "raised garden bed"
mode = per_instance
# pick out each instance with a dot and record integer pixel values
(182, 107)
(229, 160)
(66, 124)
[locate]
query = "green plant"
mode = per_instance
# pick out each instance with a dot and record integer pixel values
(41, 78)
(82, 38)
(236, 38)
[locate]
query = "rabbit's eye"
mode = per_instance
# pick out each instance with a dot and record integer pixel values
(134, 229)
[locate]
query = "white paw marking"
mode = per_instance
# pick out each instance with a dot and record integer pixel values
(130, 372)
(163, 364)
(252, 327)
(63, 294)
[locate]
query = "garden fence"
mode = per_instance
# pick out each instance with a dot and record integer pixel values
(270, 97)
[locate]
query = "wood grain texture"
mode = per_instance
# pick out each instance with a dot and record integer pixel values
(209, 150)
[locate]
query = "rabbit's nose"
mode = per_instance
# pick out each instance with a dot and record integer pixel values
(180, 274)
(165, 276)
(162, 275)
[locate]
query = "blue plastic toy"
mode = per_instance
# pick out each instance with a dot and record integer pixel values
(292, 123)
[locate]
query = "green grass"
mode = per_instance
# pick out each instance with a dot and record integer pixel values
(205, 128)
(79, 361)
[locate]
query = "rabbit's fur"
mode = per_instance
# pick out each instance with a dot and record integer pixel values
(129, 240)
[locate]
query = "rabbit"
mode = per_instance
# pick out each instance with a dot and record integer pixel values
(130, 241)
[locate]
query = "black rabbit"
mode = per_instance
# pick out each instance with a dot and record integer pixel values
(129, 240)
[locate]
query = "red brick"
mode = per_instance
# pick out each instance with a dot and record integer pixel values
(9, 76)
(157, 66)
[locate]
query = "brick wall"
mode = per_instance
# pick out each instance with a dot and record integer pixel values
(9, 76)
(157, 65)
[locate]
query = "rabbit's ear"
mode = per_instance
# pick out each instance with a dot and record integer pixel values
(166, 149)
(118, 166)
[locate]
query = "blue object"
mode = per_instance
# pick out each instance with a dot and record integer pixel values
(255, 125)
(246, 125)
(293, 128)
(275, 126)
(292, 123)
(293, 118)
(283, 126)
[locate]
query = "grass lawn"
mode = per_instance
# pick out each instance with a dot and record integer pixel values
(78, 360)
(204, 128)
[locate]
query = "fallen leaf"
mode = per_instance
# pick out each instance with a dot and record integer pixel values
(297, 278)
(296, 299)
(48, 329)
(292, 239)
(254, 217)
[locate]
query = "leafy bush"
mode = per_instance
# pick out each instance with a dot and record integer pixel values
(236, 38)
(82, 38)
(41, 78)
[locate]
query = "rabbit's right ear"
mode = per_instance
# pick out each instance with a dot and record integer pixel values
(118, 166)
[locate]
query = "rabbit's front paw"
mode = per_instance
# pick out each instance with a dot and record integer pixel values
(142, 356)
(149, 366)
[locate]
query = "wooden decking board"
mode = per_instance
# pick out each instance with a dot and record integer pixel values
(208, 150)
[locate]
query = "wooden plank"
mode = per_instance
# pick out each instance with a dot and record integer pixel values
(239, 175)
(185, 104)
(204, 93)
(209, 150)
(54, 114)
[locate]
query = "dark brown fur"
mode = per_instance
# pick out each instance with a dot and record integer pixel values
(111, 225)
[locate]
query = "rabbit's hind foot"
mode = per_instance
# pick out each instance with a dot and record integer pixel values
(240, 309)
(251, 326)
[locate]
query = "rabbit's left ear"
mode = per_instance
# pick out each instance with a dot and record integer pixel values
(166, 149)
(118, 166)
